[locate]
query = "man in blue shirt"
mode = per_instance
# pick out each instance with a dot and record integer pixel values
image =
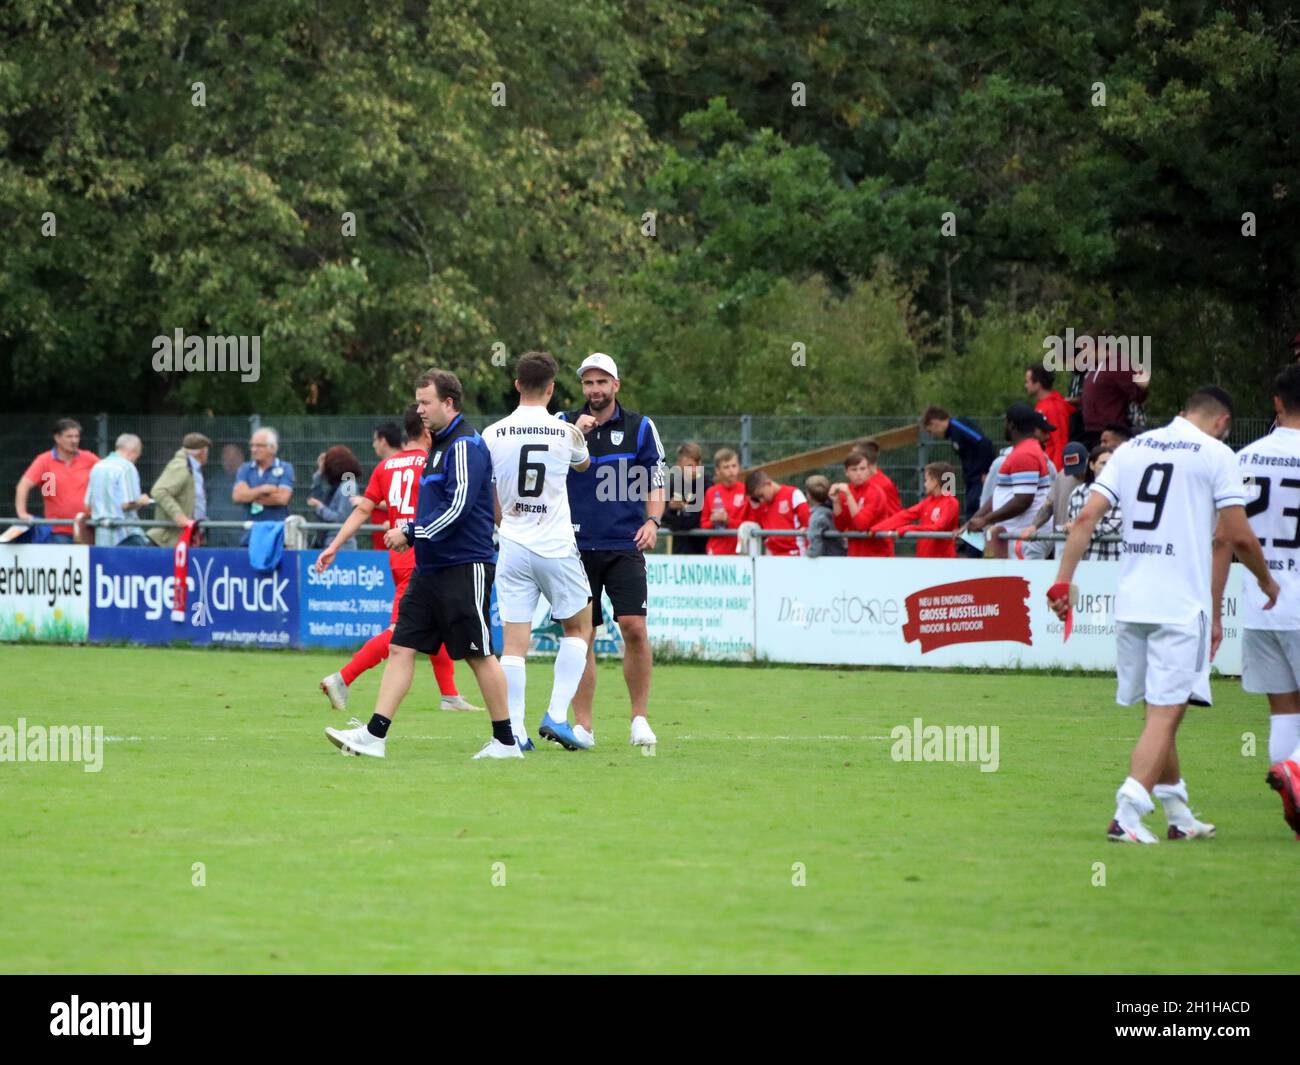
(114, 490)
(264, 484)
(617, 507)
(448, 599)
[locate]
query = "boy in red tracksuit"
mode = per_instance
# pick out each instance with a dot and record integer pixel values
(725, 502)
(939, 511)
(879, 477)
(777, 506)
(858, 505)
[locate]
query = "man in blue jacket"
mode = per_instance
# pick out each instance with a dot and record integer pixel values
(975, 451)
(447, 599)
(617, 506)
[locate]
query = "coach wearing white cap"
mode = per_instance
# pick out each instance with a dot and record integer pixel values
(617, 506)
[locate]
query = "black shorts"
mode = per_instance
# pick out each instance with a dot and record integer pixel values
(447, 608)
(621, 575)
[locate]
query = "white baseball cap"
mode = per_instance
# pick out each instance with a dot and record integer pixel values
(599, 361)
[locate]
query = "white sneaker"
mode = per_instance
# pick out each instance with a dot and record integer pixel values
(642, 734)
(358, 740)
(1127, 827)
(458, 702)
(1190, 828)
(494, 748)
(586, 739)
(336, 690)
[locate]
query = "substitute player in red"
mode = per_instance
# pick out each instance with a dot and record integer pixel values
(859, 504)
(939, 511)
(777, 506)
(395, 483)
(725, 502)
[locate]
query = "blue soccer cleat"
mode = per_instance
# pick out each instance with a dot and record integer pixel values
(527, 744)
(560, 732)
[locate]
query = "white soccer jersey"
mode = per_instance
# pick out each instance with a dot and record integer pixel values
(531, 455)
(1270, 469)
(1171, 484)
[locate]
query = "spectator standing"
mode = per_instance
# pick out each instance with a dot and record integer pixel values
(938, 511)
(725, 502)
(1112, 524)
(1055, 511)
(264, 484)
(777, 506)
(821, 520)
(340, 471)
(879, 477)
(217, 486)
(858, 505)
(686, 490)
(1023, 479)
(60, 475)
(113, 493)
(975, 451)
(179, 490)
(1040, 387)
(1107, 396)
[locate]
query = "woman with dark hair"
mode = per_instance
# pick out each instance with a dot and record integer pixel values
(337, 482)
(1110, 525)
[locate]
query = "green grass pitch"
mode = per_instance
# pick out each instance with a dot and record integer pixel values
(613, 861)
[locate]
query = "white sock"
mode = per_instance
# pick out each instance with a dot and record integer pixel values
(1132, 793)
(1283, 737)
(1173, 797)
(513, 667)
(570, 662)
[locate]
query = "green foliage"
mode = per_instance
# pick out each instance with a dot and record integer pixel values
(799, 160)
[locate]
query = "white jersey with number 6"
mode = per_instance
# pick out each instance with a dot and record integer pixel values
(531, 455)
(1270, 470)
(1172, 483)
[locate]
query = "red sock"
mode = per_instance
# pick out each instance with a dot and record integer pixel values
(444, 670)
(372, 652)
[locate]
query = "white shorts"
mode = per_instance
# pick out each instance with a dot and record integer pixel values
(1163, 665)
(1270, 661)
(523, 575)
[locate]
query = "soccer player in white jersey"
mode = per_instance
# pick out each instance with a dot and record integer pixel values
(1270, 646)
(1172, 483)
(532, 453)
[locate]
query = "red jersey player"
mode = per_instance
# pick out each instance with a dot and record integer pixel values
(879, 478)
(777, 506)
(939, 511)
(858, 505)
(725, 502)
(396, 484)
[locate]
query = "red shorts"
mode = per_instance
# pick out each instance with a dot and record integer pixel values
(401, 580)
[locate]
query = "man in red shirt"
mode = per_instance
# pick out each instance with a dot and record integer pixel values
(879, 477)
(939, 511)
(1052, 406)
(859, 504)
(61, 474)
(777, 506)
(395, 482)
(725, 502)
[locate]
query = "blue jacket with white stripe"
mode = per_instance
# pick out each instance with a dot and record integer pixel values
(456, 506)
(608, 501)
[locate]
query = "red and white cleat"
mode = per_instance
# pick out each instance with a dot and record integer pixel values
(1284, 778)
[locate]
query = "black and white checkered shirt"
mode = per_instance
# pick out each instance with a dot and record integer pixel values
(1111, 524)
